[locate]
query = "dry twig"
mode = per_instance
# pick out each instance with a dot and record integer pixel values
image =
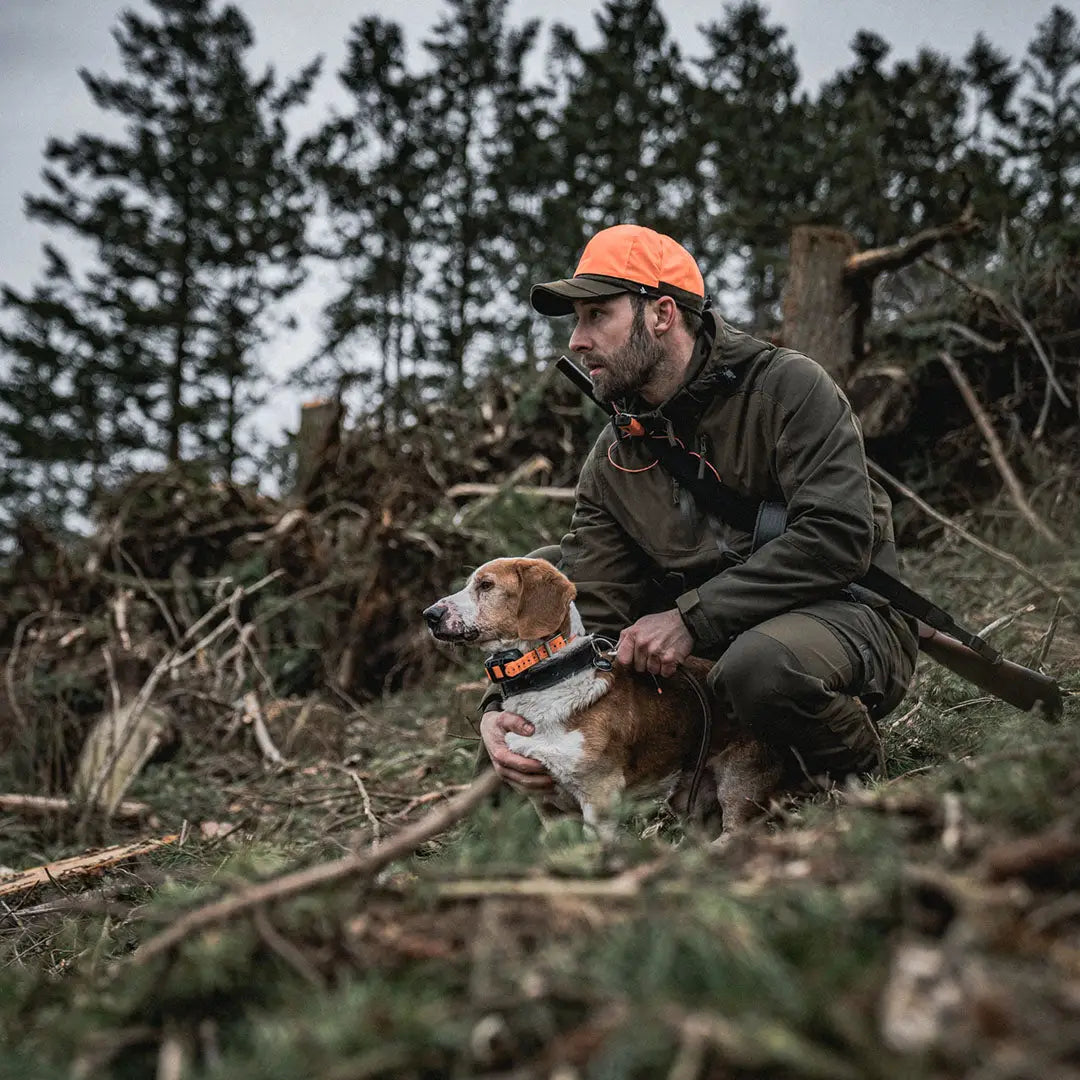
(997, 452)
(314, 877)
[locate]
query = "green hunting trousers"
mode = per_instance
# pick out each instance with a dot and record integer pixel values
(814, 682)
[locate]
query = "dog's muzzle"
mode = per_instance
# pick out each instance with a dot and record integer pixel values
(434, 615)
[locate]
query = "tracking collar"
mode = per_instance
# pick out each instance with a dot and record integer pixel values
(539, 668)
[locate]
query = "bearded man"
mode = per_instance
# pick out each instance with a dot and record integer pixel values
(805, 660)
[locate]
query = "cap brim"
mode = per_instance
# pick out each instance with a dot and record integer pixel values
(554, 298)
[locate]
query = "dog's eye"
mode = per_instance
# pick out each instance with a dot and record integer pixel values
(485, 584)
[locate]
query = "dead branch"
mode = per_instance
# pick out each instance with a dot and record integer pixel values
(1009, 312)
(170, 662)
(987, 549)
(253, 715)
(81, 865)
(526, 471)
(997, 452)
(868, 264)
(469, 491)
(38, 805)
(626, 885)
(1054, 849)
(314, 877)
(9, 667)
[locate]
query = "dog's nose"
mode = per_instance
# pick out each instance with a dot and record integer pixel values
(434, 614)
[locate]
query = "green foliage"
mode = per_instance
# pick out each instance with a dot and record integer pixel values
(195, 219)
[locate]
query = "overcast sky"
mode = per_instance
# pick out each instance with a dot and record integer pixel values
(43, 43)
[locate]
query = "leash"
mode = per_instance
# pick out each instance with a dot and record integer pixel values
(706, 737)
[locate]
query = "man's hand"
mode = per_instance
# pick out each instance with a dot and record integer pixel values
(656, 643)
(518, 771)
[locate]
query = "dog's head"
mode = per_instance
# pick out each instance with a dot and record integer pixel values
(504, 600)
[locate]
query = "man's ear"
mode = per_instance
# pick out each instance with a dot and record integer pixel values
(666, 312)
(544, 599)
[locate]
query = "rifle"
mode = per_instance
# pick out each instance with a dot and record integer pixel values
(976, 661)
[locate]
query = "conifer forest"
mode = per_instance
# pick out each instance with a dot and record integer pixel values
(244, 827)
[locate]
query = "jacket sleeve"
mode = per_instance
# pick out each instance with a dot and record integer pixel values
(608, 568)
(818, 462)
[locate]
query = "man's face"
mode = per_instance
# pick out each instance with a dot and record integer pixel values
(619, 351)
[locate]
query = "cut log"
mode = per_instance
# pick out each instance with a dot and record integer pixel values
(118, 746)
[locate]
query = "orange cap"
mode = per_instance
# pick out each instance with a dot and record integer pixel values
(625, 258)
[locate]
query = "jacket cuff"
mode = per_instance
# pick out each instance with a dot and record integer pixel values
(698, 623)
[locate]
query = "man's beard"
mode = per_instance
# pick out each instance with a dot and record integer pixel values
(629, 367)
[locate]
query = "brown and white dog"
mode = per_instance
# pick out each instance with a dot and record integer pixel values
(600, 728)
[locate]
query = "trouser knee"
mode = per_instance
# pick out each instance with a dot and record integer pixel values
(759, 681)
(765, 688)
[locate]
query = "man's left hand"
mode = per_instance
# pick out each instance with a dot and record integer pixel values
(656, 643)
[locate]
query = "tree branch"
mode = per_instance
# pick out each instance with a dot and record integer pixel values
(314, 877)
(868, 264)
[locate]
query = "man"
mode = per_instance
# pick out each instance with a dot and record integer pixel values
(808, 663)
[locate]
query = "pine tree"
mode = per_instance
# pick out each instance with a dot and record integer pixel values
(68, 404)
(429, 183)
(373, 172)
(749, 130)
(476, 126)
(195, 218)
(892, 143)
(1049, 123)
(621, 133)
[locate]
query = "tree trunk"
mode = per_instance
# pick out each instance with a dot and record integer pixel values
(820, 309)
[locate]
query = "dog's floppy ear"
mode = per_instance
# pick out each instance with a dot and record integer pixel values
(545, 599)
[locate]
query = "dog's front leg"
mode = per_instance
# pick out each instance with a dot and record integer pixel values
(598, 799)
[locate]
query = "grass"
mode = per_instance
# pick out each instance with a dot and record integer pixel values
(783, 957)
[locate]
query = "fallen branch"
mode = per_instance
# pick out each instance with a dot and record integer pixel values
(314, 877)
(37, 805)
(469, 491)
(81, 865)
(987, 549)
(626, 885)
(997, 452)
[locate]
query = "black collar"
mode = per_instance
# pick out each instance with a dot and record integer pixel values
(590, 652)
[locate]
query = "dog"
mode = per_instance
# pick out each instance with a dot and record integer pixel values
(600, 728)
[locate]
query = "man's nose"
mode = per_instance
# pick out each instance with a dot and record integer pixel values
(434, 614)
(578, 341)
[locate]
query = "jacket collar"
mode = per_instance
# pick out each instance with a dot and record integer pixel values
(718, 361)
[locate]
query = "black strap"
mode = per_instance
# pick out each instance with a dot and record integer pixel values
(767, 520)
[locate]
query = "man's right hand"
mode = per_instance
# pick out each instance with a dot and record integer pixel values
(518, 771)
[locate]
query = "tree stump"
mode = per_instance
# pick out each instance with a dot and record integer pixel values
(317, 444)
(821, 311)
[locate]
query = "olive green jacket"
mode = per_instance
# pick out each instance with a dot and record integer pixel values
(785, 433)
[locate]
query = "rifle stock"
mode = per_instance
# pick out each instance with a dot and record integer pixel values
(1014, 683)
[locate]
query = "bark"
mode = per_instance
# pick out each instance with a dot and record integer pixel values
(820, 307)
